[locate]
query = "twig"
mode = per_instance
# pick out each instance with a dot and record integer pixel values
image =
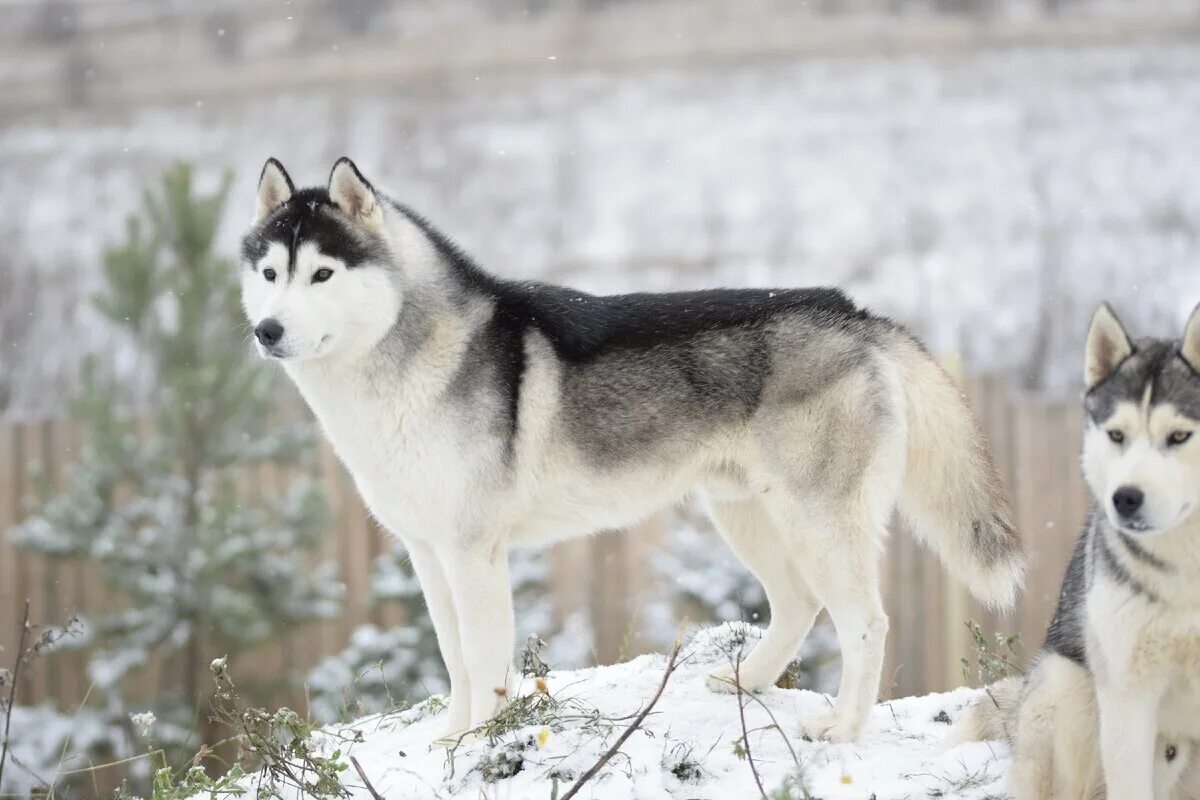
(737, 680)
(775, 724)
(12, 690)
(672, 665)
(366, 781)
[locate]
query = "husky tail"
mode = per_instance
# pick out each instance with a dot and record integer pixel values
(951, 495)
(992, 717)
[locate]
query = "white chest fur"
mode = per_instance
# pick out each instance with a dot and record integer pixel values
(1152, 647)
(404, 460)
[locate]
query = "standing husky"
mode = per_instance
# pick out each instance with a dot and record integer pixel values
(1114, 696)
(476, 414)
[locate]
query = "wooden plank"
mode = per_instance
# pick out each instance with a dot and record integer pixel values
(329, 632)
(10, 557)
(643, 541)
(389, 615)
(1000, 401)
(955, 603)
(92, 597)
(1036, 516)
(68, 573)
(609, 595)
(34, 573)
(568, 561)
(905, 623)
(356, 558)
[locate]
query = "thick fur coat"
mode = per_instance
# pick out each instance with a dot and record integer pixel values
(476, 414)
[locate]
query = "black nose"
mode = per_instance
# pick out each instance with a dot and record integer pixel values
(1127, 500)
(269, 331)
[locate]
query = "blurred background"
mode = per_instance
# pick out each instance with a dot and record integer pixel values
(985, 171)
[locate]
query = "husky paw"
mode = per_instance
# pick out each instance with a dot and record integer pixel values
(828, 727)
(453, 738)
(723, 679)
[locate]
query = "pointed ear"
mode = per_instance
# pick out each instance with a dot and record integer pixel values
(351, 192)
(274, 188)
(1107, 346)
(1190, 347)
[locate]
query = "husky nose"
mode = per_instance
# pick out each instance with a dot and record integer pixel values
(268, 332)
(1127, 500)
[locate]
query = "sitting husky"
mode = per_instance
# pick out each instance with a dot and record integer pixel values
(476, 414)
(1114, 695)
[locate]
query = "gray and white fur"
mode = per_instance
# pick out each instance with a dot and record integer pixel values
(1111, 706)
(476, 414)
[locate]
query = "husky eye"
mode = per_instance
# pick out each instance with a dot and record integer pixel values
(1178, 437)
(1116, 436)
(322, 275)
(269, 274)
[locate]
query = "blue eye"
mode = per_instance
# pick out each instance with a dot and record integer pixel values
(322, 275)
(269, 274)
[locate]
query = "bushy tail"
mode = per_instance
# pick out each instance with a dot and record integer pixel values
(993, 717)
(951, 496)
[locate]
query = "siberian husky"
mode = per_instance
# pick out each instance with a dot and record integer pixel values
(476, 414)
(1112, 703)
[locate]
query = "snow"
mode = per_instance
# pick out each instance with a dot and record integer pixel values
(691, 733)
(46, 743)
(1019, 187)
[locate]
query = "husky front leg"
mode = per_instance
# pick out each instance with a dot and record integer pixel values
(478, 575)
(431, 574)
(1128, 738)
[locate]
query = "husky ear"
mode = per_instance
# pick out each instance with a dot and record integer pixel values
(1107, 346)
(1190, 347)
(353, 194)
(274, 188)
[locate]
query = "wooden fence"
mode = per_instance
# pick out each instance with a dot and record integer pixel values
(1036, 445)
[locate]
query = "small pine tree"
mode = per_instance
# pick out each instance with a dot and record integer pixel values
(206, 563)
(380, 669)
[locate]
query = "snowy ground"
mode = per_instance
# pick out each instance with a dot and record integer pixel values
(685, 749)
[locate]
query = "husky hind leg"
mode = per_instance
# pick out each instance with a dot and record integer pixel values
(841, 564)
(1055, 754)
(847, 581)
(752, 535)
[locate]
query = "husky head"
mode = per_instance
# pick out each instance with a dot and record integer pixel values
(1141, 452)
(318, 273)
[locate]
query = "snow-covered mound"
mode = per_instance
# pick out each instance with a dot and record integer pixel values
(688, 747)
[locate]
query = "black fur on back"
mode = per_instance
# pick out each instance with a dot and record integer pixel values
(582, 326)
(585, 329)
(637, 367)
